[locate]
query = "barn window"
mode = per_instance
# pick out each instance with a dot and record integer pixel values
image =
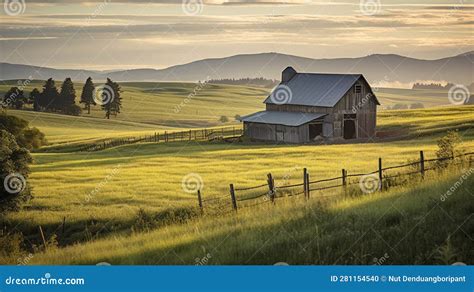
(358, 88)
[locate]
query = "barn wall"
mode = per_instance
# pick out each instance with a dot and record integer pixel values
(364, 105)
(270, 132)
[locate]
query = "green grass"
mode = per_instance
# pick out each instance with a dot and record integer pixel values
(151, 106)
(100, 193)
(111, 185)
(406, 225)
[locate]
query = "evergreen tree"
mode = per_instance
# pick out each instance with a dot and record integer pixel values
(111, 100)
(34, 99)
(49, 96)
(87, 96)
(67, 96)
(14, 98)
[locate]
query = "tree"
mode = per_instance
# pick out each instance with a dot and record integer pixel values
(14, 172)
(110, 98)
(67, 96)
(49, 96)
(87, 96)
(30, 138)
(34, 99)
(223, 119)
(14, 98)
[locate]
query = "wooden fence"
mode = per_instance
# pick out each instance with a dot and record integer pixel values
(377, 180)
(164, 137)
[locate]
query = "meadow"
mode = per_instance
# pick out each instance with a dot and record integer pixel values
(100, 194)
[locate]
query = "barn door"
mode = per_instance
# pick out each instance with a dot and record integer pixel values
(350, 126)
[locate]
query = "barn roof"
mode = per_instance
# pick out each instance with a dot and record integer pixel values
(313, 89)
(281, 118)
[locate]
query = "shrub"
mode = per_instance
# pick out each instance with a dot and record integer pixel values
(447, 148)
(73, 110)
(14, 171)
(29, 138)
(223, 119)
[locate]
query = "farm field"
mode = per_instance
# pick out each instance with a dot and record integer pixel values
(374, 229)
(100, 193)
(160, 106)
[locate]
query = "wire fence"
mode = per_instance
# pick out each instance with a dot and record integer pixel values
(378, 180)
(165, 137)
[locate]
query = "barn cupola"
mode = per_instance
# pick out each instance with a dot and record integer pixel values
(287, 74)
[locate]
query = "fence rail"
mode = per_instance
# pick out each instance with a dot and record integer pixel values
(381, 177)
(209, 134)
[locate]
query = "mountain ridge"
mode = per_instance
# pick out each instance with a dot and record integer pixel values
(375, 67)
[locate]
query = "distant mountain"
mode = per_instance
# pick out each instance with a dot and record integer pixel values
(376, 68)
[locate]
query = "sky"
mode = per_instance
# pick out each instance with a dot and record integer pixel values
(109, 35)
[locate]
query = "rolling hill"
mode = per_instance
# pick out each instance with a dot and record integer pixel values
(377, 68)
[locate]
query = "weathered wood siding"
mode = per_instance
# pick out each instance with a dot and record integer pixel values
(276, 133)
(362, 104)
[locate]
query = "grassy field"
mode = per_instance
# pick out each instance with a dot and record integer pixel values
(100, 193)
(394, 227)
(159, 106)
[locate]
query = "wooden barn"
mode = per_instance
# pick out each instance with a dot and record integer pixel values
(307, 107)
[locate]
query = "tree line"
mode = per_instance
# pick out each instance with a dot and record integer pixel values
(50, 99)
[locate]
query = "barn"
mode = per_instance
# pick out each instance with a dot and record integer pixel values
(308, 107)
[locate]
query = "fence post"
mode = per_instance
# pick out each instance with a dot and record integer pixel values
(64, 226)
(166, 136)
(344, 173)
(43, 238)
(200, 200)
(190, 135)
(305, 184)
(232, 196)
(380, 174)
(271, 187)
(422, 164)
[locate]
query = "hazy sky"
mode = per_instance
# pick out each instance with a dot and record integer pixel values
(124, 34)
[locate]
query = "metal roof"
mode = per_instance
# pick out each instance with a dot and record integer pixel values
(281, 118)
(313, 89)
